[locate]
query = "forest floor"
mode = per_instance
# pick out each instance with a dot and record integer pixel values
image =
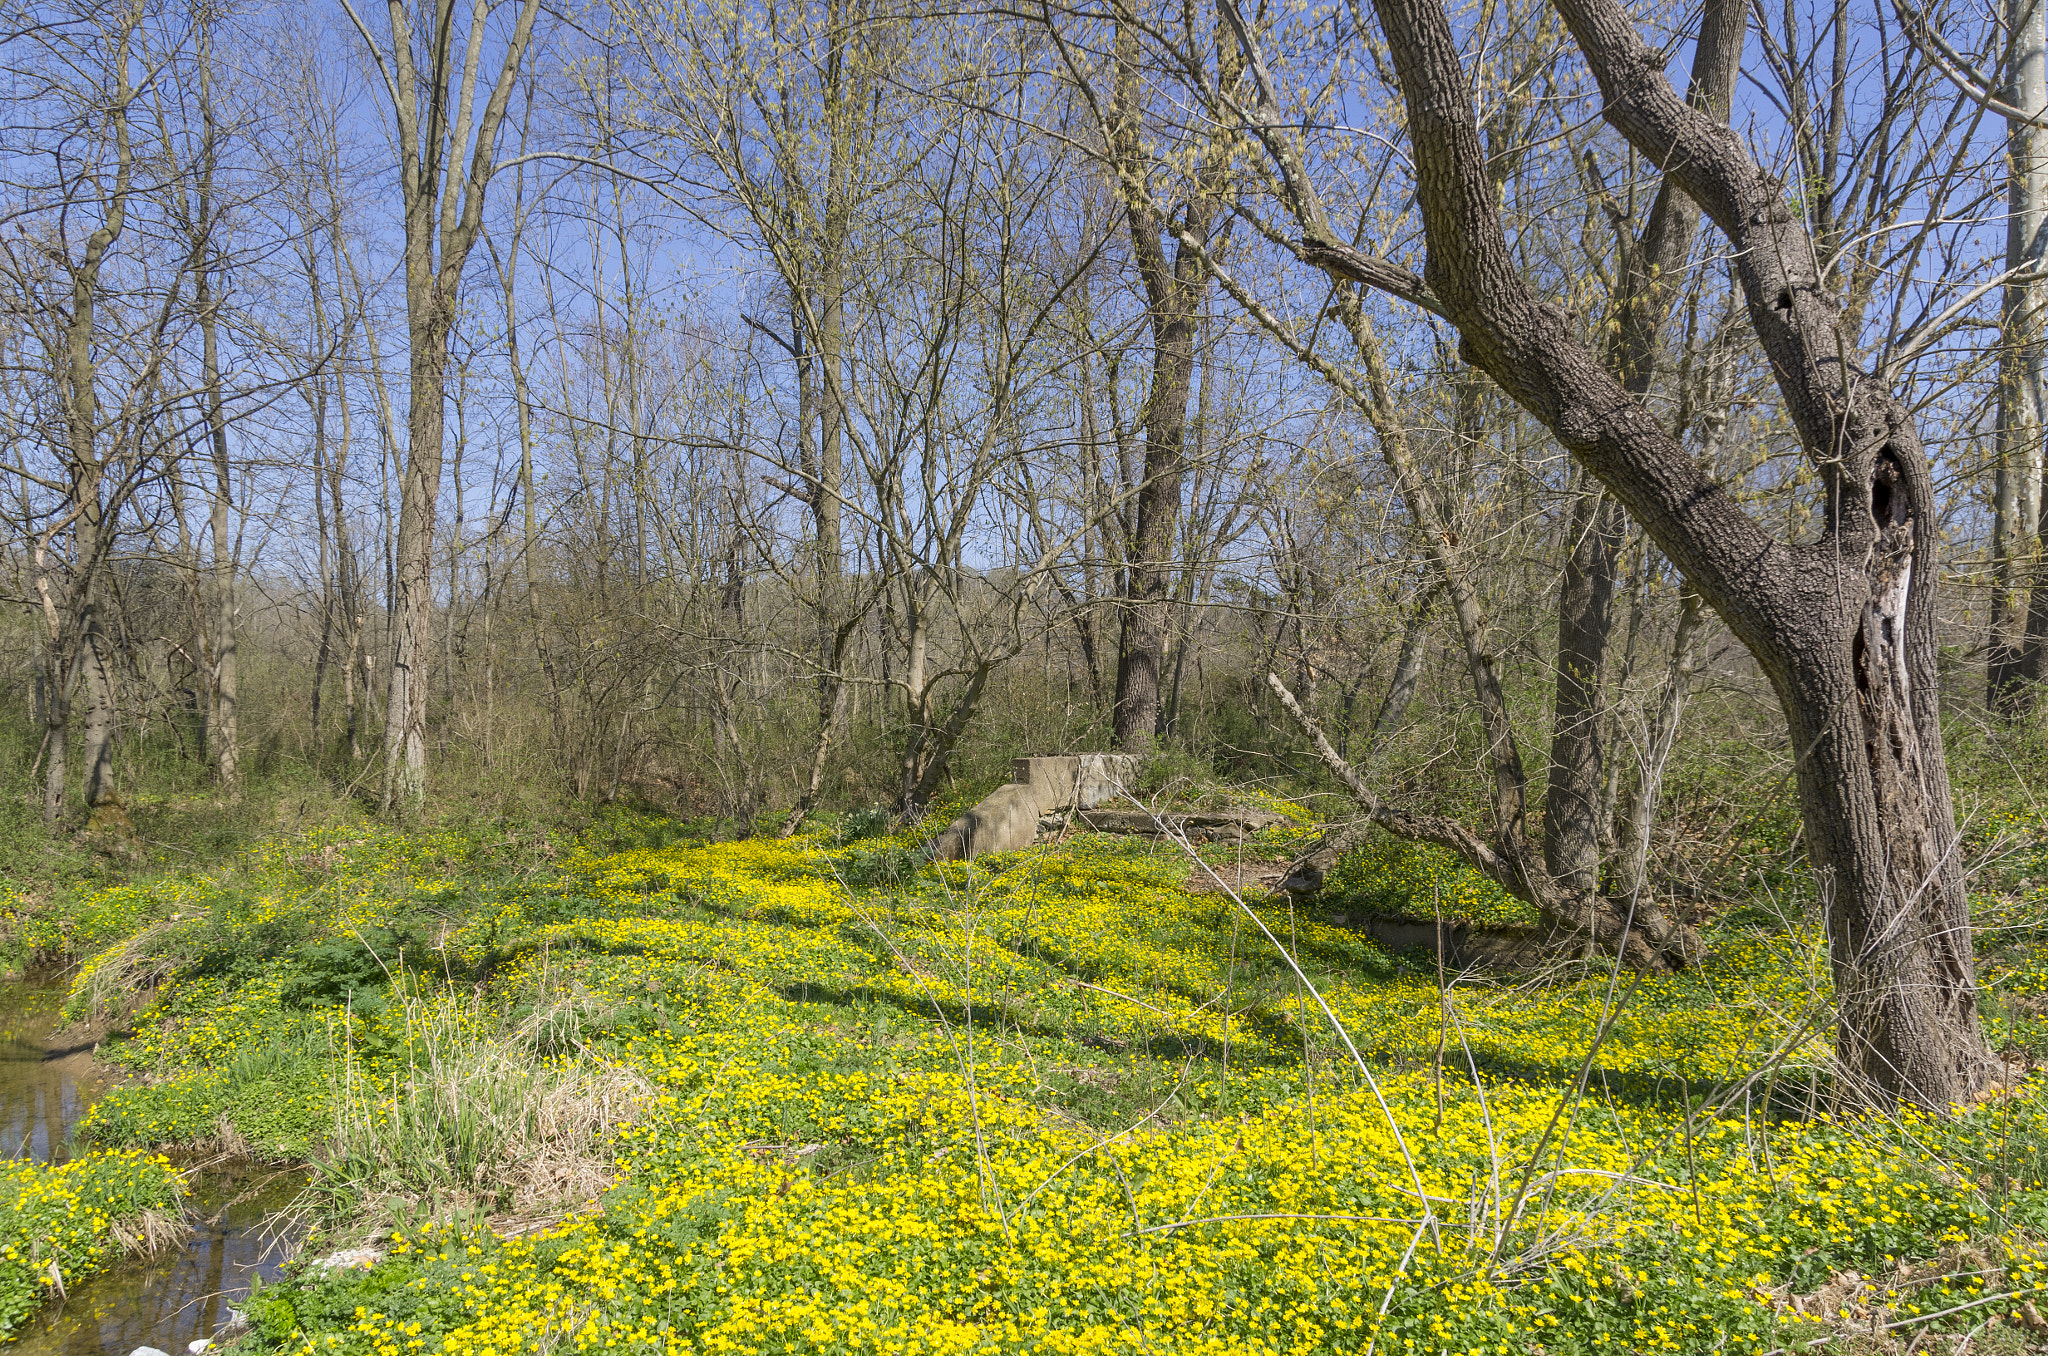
(645, 1091)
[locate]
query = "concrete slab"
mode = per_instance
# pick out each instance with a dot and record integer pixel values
(1076, 780)
(1201, 826)
(1005, 820)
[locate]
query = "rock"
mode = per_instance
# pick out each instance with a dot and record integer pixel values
(348, 1258)
(200, 1347)
(148, 1351)
(1005, 820)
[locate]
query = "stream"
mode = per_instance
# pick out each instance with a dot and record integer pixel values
(165, 1301)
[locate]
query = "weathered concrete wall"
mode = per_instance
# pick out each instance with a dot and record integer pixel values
(1080, 780)
(1005, 820)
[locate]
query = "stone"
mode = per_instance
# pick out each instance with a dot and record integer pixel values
(148, 1351)
(199, 1347)
(348, 1258)
(1076, 780)
(1005, 820)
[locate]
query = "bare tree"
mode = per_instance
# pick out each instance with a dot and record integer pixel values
(64, 289)
(1844, 627)
(439, 127)
(1174, 286)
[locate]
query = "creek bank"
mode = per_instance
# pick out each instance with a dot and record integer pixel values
(181, 1294)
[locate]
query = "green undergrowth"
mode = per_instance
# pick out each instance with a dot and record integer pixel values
(1388, 877)
(654, 1091)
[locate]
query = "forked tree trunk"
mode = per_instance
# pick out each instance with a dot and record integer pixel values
(444, 173)
(69, 596)
(1844, 628)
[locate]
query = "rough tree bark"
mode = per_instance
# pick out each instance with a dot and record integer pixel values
(1173, 295)
(443, 214)
(1844, 627)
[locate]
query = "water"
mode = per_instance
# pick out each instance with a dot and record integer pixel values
(48, 1081)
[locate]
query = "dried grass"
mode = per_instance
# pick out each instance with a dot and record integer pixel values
(151, 1231)
(128, 973)
(478, 1125)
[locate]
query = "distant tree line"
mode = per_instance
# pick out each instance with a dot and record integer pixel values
(759, 408)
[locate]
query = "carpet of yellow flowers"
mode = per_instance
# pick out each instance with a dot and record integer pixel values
(61, 1224)
(1058, 1101)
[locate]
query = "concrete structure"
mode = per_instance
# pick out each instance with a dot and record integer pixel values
(1076, 780)
(1007, 818)
(1197, 826)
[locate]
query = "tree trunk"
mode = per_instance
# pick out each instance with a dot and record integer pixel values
(444, 173)
(348, 592)
(1585, 622)
(102, 719)
(405, 710)
(78, 649)
(1844, 628)
(224, 683)
(1141, 647)
(1173, 294)
(2016, 662)
(1407, 672)
(1651, 263)
(323, 654)
(1634, 849)
(56, 736)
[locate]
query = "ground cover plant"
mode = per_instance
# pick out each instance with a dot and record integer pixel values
(666, 1093)
(61, 1224)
